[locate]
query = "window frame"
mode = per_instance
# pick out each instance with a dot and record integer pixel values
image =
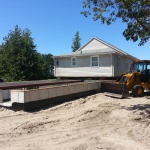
(73, 61)
(97, 56)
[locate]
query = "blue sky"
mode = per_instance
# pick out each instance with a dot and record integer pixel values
(54, 23)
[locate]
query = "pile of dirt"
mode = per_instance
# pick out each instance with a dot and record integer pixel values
(91, 123)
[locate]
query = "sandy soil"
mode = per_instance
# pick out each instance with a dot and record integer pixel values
(91, 123)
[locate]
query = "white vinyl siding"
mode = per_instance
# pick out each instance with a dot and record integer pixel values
(93, 45)
(73, 61)
(94, 61)
(83, 68)
(84, 72)
(124, 65)
(118, 61)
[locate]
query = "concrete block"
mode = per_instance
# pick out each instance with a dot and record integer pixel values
(97, 85)
(93, 86)
(89, 86)
(52, 93)
(6, 94)
(34, 95)
(72, 89)
(80, 88)
(43, 93)
(59, 91)
(27, 96)
(21, 97)
(17, 96)
(83, 87)
(66, 90)
(14, 96)
(77, 88)
(1, 96)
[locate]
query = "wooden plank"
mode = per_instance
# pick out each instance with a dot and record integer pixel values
(26, 84)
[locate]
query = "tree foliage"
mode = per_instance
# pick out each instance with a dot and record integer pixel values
(136, 13)
(76, 42)
(46, 65)
(19, 59)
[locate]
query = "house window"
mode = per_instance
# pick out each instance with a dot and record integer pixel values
(95, 61)
(73, 61)
(57, 63)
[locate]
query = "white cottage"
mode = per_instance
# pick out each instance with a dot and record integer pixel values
(95, 59)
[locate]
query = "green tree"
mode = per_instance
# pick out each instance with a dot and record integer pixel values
(135, 13)
(18, 56)
(76, 42)
(46, 65)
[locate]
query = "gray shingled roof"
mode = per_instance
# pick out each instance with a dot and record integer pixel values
(110, 49)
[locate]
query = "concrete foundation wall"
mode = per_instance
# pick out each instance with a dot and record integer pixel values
(1, 96)
(26, 96)
(4, 95)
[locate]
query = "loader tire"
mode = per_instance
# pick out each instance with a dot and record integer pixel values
(138, 91)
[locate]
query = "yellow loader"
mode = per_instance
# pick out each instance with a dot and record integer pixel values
(136, 81)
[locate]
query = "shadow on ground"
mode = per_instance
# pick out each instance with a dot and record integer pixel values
(137, 107)
(140, 109)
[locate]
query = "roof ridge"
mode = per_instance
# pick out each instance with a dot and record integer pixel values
(111, 45)
(115, 49)
(85, 44)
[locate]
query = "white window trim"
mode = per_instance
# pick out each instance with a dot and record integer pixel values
(98, 60)
(72, 61)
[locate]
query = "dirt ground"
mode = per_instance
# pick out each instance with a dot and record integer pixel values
(96, 122)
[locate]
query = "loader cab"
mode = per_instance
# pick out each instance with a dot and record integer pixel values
(140, 66)
(144, 68)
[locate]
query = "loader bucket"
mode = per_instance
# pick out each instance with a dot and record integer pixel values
(115, 89)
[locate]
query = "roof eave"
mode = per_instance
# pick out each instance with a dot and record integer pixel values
(87, 54)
